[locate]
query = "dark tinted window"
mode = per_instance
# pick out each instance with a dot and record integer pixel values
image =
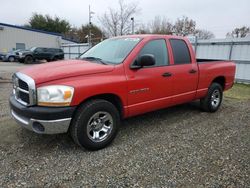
(56, 50)
(180, 51)
(39, 50)
(53, 50)
(157, 48)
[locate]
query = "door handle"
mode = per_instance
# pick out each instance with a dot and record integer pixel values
(192, 71)
(167, 74)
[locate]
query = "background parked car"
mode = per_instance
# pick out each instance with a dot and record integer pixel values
(1, 56)
(39, 53)
(11, 56)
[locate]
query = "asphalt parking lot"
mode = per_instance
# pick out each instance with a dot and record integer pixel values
(175, 147)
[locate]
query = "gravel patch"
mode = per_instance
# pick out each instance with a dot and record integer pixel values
(174, 147)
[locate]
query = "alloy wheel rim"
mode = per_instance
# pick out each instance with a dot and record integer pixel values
(215, 98)
(99, 126)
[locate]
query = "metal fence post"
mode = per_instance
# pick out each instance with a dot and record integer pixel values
(230, 51)
(69, 52)
(78, 50)
(195, 45)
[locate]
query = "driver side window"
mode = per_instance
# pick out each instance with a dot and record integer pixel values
(157, 48)
(38, 50)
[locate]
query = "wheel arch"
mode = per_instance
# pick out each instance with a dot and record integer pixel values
(110, 97)
(220, 80)
(29, 55)
(11, 56)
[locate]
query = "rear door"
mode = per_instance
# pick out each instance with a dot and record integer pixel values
(148, 88)
(47, 53)
(184, 72)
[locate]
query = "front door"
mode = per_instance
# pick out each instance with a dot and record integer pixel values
(149, 88)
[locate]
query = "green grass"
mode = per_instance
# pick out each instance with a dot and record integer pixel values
(239, 91)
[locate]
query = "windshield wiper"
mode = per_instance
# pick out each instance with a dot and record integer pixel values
(95, 59)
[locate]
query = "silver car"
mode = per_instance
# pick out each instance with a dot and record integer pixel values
(11, 56)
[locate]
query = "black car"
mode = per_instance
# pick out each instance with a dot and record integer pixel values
(39, 53)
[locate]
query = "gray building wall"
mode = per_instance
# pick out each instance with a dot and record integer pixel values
(11, 37)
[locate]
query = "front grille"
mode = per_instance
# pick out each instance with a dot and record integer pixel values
(23, 85)
(24, 89)
(24, 97)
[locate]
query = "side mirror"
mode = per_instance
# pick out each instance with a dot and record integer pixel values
(145, 60)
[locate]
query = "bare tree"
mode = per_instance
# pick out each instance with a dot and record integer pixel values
(239, 32)
(110, 22)
(157, 26)
(204, 34)
(184, 26)
(161, 26)
(117, 22)
(143, 29)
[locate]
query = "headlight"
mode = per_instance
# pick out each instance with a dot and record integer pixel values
(54, 95)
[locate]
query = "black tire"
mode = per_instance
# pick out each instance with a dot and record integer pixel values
(55, 58)
(21, 60)
(212, 101)
(81, 126)
(28, 59)
(11, 59)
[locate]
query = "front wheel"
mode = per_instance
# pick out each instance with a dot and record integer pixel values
(95, 124)
(28, 59)
(212, 101)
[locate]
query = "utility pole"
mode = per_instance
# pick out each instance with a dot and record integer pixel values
(90, 25)
(133, 25)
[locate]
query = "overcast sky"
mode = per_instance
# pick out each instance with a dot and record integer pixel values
(218, 16)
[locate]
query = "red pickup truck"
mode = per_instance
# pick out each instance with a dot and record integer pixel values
(116, 79)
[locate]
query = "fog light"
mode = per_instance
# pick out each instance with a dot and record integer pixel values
(38, 127)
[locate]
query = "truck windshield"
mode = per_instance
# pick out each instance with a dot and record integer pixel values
(112, 51)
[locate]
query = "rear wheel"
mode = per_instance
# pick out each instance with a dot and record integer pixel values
(212, 101)
(55, 58)
(95, 124)
(11, 59)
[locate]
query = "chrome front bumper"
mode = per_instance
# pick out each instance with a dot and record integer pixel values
(43, 126)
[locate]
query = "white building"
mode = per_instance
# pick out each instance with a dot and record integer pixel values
(17, 37)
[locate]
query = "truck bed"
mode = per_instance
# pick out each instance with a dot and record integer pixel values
(208, 68)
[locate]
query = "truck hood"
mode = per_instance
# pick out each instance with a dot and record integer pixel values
(63, 69)
(24, 51)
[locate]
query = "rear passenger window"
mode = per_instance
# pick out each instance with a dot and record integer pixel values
(180, 51)
(45, 49)
(157, 48)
